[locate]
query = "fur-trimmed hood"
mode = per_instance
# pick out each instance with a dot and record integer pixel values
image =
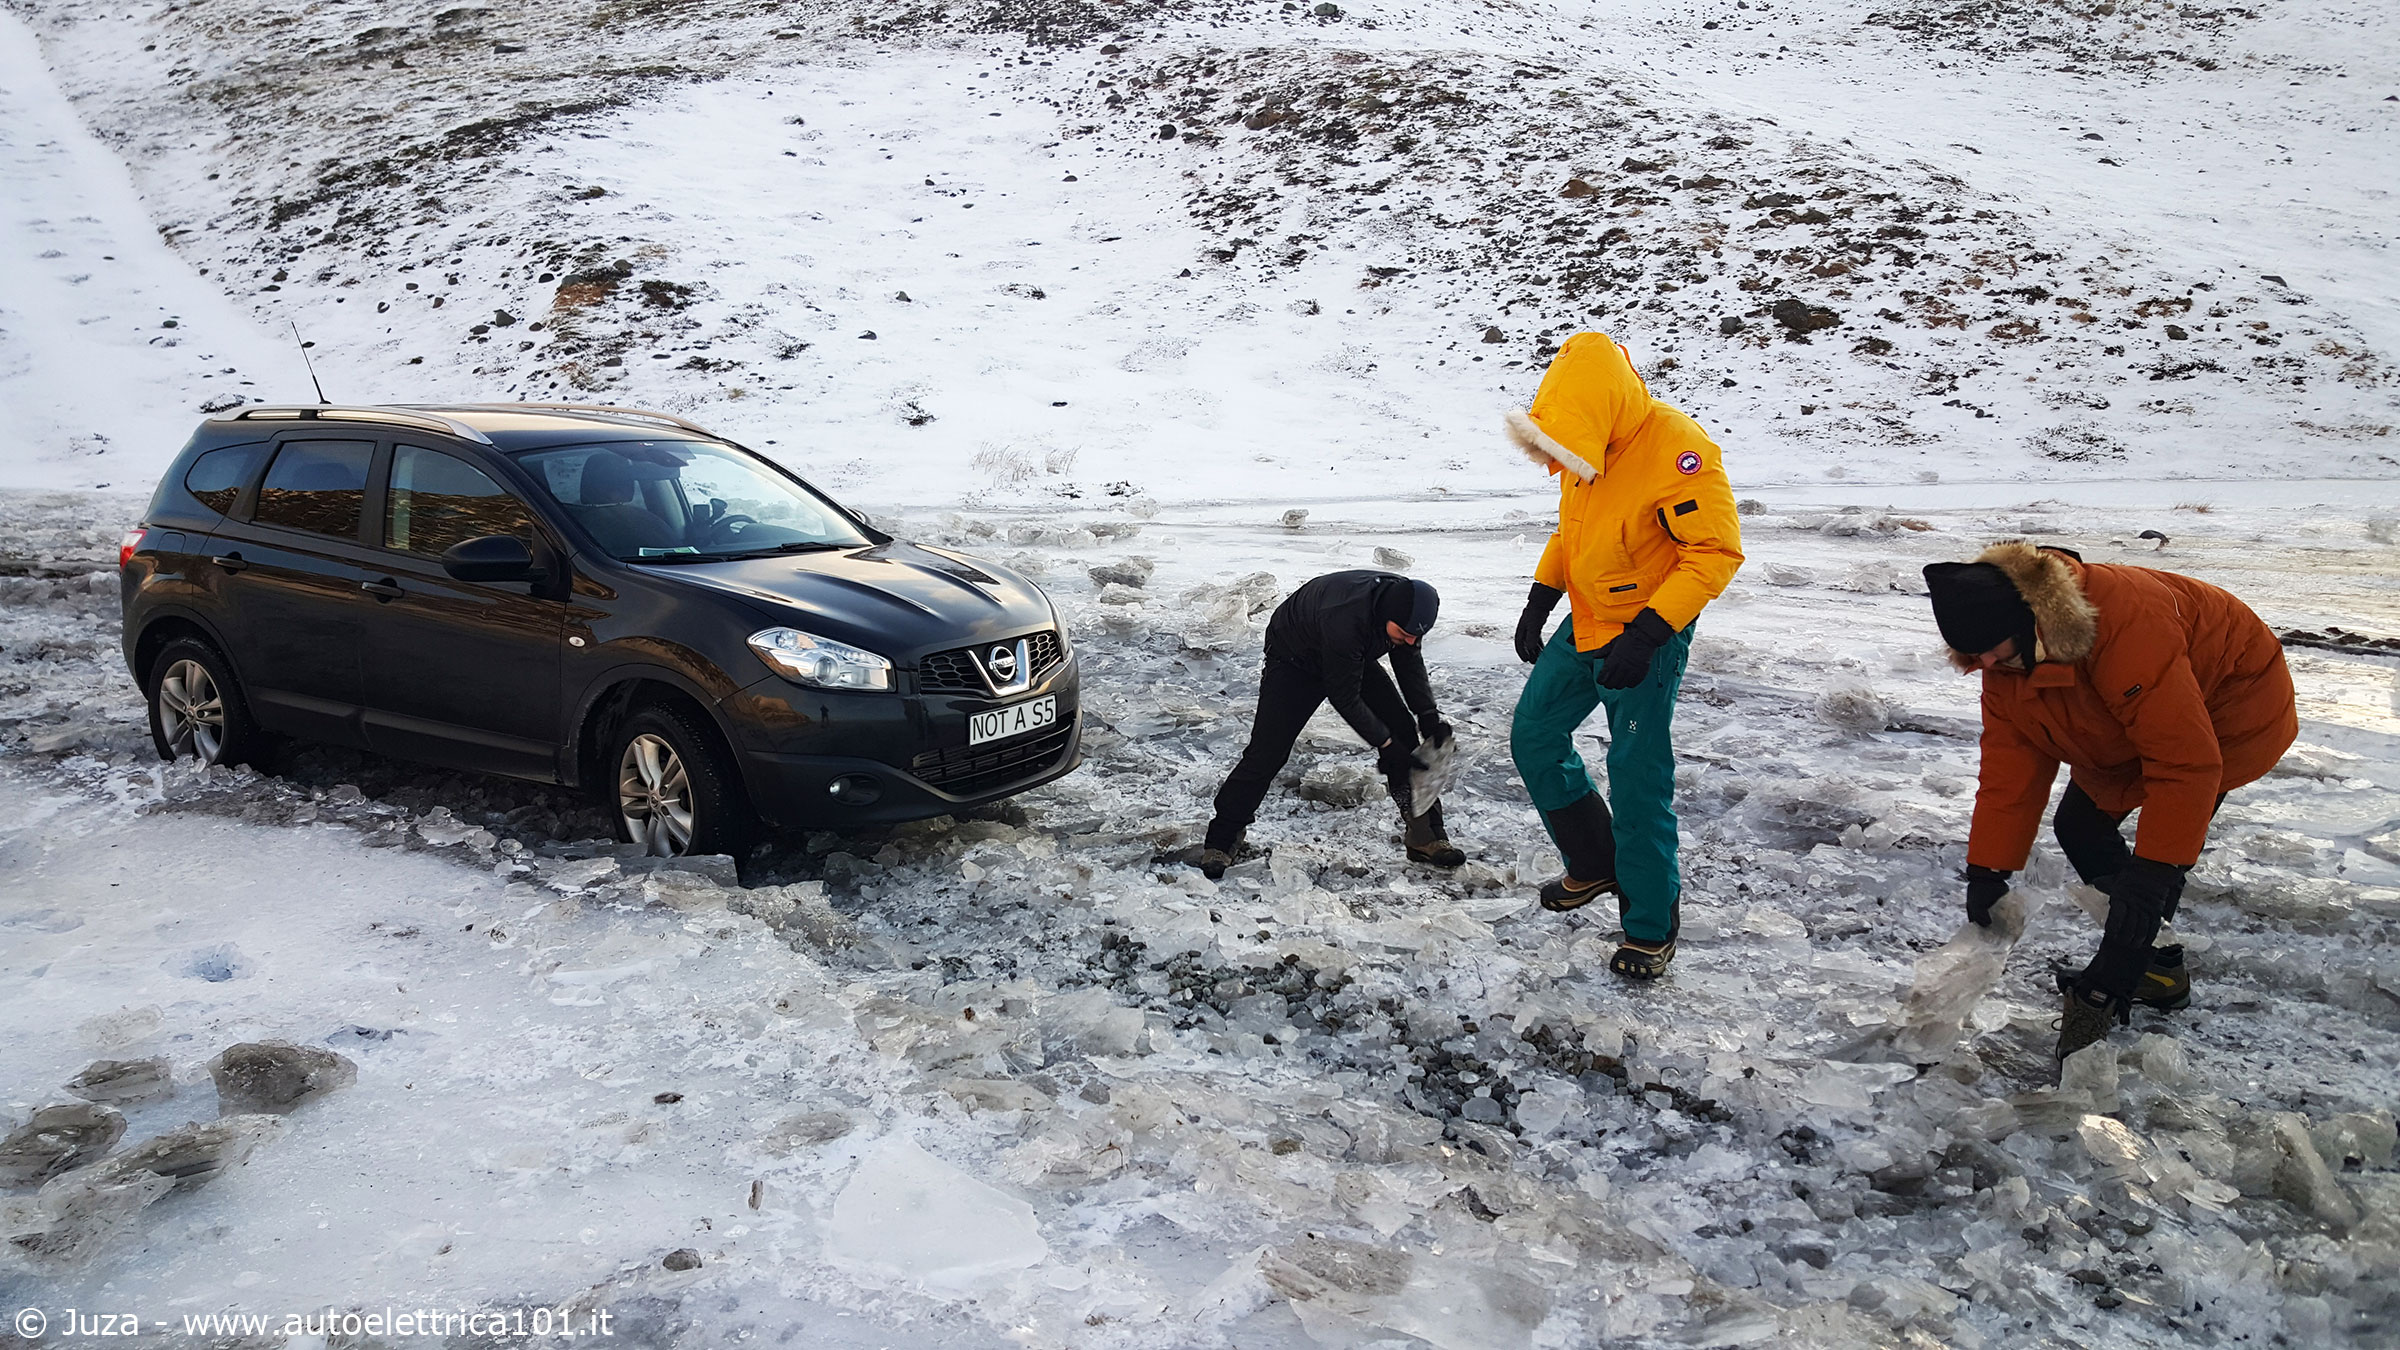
(1591, 399)
(2067, 622)
(1537, 446)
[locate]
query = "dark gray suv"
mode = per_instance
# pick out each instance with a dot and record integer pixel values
(590, 596)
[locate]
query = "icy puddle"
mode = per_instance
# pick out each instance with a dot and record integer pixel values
(1028, 1077)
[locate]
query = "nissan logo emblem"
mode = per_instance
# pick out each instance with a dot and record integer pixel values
(1003, 663)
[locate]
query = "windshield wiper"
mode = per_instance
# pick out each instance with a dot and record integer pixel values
(805, 546)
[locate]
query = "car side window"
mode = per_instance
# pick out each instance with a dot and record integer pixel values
(438, 500)
(216, 478)
(317, 486)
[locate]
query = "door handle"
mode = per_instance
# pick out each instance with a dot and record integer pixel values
(231, 562)
(386, 589)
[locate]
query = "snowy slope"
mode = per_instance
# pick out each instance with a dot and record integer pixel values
(708, 211)
(110, 343)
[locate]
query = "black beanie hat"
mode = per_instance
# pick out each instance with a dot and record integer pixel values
(1410, 603)
(1977, 608)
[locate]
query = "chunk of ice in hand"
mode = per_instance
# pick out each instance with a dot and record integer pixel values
(1956, 976)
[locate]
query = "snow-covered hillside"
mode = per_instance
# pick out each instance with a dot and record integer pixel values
(1067, 284)
(1158, 242)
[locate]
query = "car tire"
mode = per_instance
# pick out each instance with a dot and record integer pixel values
(670, 789)
(197, 707)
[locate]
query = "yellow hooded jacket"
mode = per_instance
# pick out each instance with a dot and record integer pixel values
(1653, 526)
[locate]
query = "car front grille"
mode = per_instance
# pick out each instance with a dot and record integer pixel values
(959, 672)
(966, 770)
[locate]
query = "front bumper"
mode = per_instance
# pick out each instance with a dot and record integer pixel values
(896, 757)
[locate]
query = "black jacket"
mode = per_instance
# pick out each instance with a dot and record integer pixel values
(1332, 627)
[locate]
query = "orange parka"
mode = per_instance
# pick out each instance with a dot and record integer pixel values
(2158, 691)
(1645, 513)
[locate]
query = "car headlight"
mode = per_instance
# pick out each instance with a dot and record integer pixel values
(805, 658)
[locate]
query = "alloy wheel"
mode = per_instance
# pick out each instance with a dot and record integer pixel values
(654, 795)
(191, 711)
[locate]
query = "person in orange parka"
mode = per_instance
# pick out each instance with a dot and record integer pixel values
(2159, 692)
(1647, 535)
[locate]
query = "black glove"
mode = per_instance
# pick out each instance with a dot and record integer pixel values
(2139, 899)
(1984, 889)
(1538, 605)
(1431, 728)
(1628, 654)
(1395, 760)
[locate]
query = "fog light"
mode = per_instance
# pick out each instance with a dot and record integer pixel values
(855, 789)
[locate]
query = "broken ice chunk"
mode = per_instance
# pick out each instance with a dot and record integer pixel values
(124, 1082)
(2303, 1180)
(1852, 704)
(2093, 1072)
(1131, 573)
(909, 1215)
(276, 1076)
(87, 1210)
(56, 1139)
(2356, 1139)
(1341, 1289)
(1849, 1087)
(1951, 980)
(806, 1130)
(124, 1027)
(191, 1155)
(1343, 786)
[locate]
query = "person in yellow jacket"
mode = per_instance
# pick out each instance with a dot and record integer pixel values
(1647, 536)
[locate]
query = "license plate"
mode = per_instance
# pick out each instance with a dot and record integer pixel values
(1014, 720)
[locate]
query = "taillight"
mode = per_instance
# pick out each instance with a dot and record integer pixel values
(126, 546)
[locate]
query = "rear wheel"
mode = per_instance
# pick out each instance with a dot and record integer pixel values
(197, 708)
(674, 793)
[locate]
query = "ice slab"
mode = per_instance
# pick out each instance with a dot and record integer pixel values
(909, 1215)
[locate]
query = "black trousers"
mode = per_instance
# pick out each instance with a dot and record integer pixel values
(2092, 839)
(1287, 697)
(2095, 846)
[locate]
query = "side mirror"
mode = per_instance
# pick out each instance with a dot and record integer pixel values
(492, 557)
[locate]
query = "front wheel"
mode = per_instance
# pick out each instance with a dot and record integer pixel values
(674, 793)
(197, 708)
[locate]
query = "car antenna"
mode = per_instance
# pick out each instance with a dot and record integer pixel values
(311, 365)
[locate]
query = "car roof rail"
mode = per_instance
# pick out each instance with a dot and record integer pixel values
(592, 410)
(422, 419)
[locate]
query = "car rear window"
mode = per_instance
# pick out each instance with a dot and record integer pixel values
(317, 486)
(216, 478)
(439, 500)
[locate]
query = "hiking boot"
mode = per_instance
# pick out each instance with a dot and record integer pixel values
(2082, 1022)
(1563, 893)
(1587, 841)
(2166, 985)
(1427, 842)
(1644, 960)
(1213, 862)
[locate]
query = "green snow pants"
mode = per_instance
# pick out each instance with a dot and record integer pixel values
(1559, 694)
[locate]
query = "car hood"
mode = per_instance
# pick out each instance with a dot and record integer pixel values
(894, 598)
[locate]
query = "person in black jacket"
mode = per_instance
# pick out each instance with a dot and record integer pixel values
(1322, 644)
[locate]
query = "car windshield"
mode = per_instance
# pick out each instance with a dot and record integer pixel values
(687, 501)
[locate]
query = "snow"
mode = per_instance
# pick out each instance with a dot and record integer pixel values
(109, 342)
(1026, 1078)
